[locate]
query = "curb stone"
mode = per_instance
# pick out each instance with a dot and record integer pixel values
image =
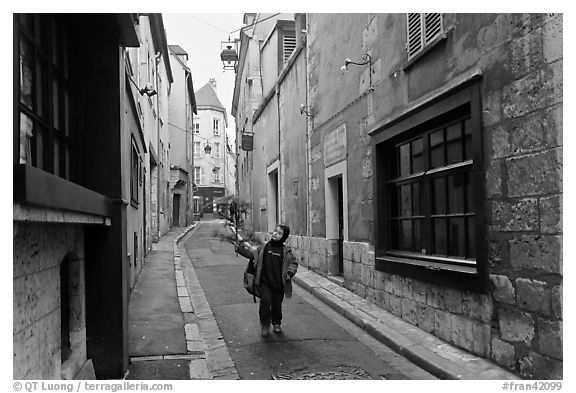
(204, 336)
(422, 348)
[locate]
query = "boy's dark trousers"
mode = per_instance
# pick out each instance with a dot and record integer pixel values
(270, 305)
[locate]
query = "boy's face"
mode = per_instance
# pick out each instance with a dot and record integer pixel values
(277, 234)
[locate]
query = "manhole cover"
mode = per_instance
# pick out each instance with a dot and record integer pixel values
(340, 373)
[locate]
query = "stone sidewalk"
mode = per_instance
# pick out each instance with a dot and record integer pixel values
(422, 348)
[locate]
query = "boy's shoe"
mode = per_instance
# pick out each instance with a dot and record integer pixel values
(277, 329)
(265, 330)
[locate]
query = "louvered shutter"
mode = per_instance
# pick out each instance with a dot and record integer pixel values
(422, 30)
(202, 176)
(415, 43)
(289, 44)
(432, 27)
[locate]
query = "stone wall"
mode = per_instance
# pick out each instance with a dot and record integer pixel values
(39, 249)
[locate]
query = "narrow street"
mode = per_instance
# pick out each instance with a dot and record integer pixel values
(317, 342)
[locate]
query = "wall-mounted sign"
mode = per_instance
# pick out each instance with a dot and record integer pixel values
(335, 146)
(247, 142)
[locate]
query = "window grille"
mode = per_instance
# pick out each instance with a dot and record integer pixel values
(423, 29)
(289, 44)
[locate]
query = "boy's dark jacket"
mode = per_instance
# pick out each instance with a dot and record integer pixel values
(289, 264)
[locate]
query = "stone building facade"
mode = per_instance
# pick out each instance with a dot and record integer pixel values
(476, 261)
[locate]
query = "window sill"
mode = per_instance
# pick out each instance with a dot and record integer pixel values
(33, 186)
(441, 38)
(436, 270)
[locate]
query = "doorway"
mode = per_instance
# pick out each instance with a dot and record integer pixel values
(336, 201)
(176, 210)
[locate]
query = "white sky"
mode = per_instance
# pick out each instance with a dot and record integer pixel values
(201, 35)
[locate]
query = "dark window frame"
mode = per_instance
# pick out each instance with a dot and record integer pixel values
(50, 67)
(459, 273)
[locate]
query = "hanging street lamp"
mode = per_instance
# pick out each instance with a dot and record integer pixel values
(229, 54)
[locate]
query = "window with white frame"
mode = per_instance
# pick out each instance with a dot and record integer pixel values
(216, 150)
(422, 30)
(197, 127)
(197, 149)
(216, 124)
(216, 175)
(197, 175)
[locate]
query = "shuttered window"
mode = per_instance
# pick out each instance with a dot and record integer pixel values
(423, 29)
(289, 44)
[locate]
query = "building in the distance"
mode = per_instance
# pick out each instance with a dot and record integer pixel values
(210, 151)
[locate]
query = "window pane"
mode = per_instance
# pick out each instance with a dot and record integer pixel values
(405, 201)
(406, 235)
(26, 134)
(439, 196)
(437, 149)
(469, 195)
(41, 80)
(454, 143)
(66, 113)
(440, 244)
(456, 187)
(404, 156)
(416, 199)
(55, 103)
(395, 234)
(467, 140)
(28, 21)
(471, 237)
(56, 157)
(417, 156)
(418, 235)
(26, 74)
(457, 236)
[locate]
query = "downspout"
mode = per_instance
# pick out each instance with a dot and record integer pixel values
(309, 128)
(279, 156)
(189, 167)
(160, 153)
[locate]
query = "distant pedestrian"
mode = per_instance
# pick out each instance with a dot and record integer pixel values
(275, 266)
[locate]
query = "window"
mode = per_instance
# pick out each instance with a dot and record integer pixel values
(44, 94)
(196, 149)
(216, 124)
(134, 174)
(216, 175)
(197, 128)
(429, 212)
(197, 174)
(216, 150)
(423, 29)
